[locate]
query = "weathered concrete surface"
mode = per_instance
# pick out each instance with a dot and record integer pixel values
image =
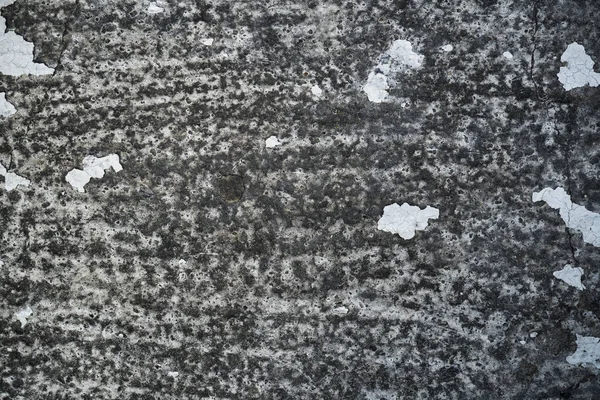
(212, 267)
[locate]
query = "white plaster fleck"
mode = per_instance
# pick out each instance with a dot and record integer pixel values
(93, 167)
(398, 57)
(12, 180)
(508, 55)
(588, 351)
(272, 141)
(316, 90)
(153, 8)
(6, 109)
(173, 374)
(575, 216)
(207, 41)
(340, 310)
(533, 335)
(406, 219)
(578, 70)
(571, 276)
(447, 48)
(16, 54)
(23, 314)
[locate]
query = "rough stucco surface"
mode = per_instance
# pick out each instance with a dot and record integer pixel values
(211, 267)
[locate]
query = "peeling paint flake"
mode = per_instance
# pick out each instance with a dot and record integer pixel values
(400, 56)
(588, 351)
(575, 216)
(571, 276)
(93, 167)
(578, 69)
(153, 8)
(406, 219)
(6, 109)
(23, 314)
(12, 180)
(271, 142)
(16, 54)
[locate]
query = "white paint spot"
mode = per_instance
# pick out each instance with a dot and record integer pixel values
(447, 48)
(575, 216)
(533, 335)
(579, 68)
(12, 180)
(23, 314)
(153, 8)
(6, 109)
(397, 58)
(588, 351)
(93, 167)
(508, 55)
(272, 142)
(571, 276)
(173, 374)
(207, 41)
(340, 310)
(16, 54)
(182, 262)
(406, 219)
(316, 90)
(523, 342)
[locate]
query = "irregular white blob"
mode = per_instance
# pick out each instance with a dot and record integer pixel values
(588, 351)
(575, 216)
(399, 56)
(93, 167)
(579, 68)
(571, 276)
(406, 219)
(508, 55)
(23, 314)
(153, 8)
(207, 41)
(182, 262)
(173, 374)
(6, 109)
(340, 310)
(447, 48)
(316, 90)
(16, 54)
(533, 335)
(272, 142)
(12, 180)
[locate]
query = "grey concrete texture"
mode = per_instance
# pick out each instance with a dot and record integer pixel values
(213, 267)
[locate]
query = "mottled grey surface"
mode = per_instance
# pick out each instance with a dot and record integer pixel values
(275, 241)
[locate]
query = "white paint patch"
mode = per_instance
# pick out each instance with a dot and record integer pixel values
(447, 48)
(12, 180)
(588, 351)
(6, 109)
(406, 219)
(508, 55)
(173, 374)
(16, 54)
(153, 8)
(23, 314)
(272, 142)
(575, 216)
(316, 90)
(93, 167)
(579, 68)
(207, 41)
(340, 310)
(398, 57)
(571, 276)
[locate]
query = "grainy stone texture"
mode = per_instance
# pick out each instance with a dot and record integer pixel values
(212, 267)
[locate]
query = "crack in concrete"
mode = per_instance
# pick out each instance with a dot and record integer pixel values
(66, 31)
